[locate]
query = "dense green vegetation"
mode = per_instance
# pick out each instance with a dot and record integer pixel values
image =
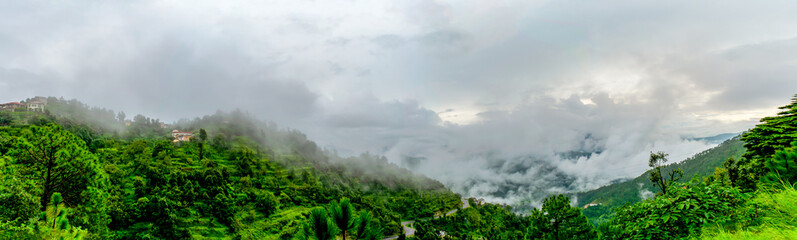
(772, 135)
(66, 178)
(721, 205)
(241, 179)
(776, 218)
(490, 221)
(616, 195)
(340, 219)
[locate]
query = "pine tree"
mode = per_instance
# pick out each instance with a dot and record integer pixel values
(773, 134)
(366, 228)
(57, 160)
(782, 167)
(55, 224)
(558, 220)
(343, 215)
(319, 226)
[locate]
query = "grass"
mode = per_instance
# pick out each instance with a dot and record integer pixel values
(776, 218)
(767, 233)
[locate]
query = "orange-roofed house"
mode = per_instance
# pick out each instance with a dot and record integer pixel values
(11, 106)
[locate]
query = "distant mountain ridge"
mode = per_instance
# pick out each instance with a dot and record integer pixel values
(717, 139)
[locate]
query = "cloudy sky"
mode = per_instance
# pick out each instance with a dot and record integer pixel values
(474, 89)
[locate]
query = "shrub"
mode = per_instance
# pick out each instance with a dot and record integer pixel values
(680, 212)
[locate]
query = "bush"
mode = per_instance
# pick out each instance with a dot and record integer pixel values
(267, 203)
(775, 217)
(680, 212)
(16, 204)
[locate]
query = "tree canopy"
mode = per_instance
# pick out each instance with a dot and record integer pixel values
(773, 134)
(556, 219)
(57, 161)
(657, 161)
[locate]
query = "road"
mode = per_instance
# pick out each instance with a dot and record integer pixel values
(409, 231)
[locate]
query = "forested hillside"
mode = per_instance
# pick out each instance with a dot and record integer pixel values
(615, 195)
(94, 174)
(747, 193)
(74, 172)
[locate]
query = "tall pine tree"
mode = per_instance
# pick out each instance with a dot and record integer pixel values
(773, 134)
(58, 161)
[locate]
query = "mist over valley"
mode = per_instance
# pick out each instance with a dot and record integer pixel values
(413, 119)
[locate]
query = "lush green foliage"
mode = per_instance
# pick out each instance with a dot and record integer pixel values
(342, 215)
(320, 226)
(339, 218)
(782, 167)
(53, 223)
(56, 160)
(252, 180)
(628, 192)
(773, 134)
(775, 212)
(558, 220)
(718, 207)
(367, 228)
(246, 179)
(676, 214)
(680, 210)
(479, 221)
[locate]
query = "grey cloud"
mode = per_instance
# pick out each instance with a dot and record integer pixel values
(442, 38)
(18, 84)
(545, 146)
(338, 41)
(370, 112)
(180, 74)
(748, 76)
(431, 14)
(389, 41)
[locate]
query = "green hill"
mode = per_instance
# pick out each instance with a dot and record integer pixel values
(130, 179)
(629, 192)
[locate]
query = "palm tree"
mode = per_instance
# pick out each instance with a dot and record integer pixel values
(342, 215)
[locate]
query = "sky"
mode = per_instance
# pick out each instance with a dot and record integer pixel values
(485, 96)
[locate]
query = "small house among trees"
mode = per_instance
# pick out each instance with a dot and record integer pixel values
(12, 106)
(182, 136)
(37, 104)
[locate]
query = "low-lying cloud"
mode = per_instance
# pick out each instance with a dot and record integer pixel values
(542, 147)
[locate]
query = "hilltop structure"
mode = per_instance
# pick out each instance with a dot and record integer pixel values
(37, 104)
(182, 136)
(12, 106)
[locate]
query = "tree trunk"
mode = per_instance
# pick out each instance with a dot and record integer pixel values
(47, 186)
